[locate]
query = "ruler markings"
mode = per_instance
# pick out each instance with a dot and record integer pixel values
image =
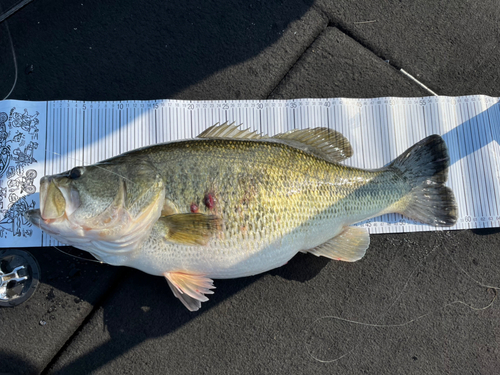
(82, 133)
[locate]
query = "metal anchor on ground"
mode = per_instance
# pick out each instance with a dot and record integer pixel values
(19, 276)
(10, 280)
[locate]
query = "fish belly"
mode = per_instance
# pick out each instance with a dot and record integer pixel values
(229, 259)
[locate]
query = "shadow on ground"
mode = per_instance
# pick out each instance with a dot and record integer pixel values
(90, 50)
(151, 311)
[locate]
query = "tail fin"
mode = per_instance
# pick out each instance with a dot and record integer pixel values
(425, 167)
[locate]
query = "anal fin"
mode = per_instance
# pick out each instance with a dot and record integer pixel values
(349, 246)
(190, 288)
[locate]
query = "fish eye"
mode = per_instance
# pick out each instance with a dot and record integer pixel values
(75, 173)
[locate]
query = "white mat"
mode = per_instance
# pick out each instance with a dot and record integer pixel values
(39, 138)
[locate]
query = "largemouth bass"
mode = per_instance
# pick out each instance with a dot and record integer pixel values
(233, 203)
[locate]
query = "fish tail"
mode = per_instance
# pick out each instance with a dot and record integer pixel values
(424, 166)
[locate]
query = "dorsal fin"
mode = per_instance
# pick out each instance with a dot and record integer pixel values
(322, 142)
(227, 130)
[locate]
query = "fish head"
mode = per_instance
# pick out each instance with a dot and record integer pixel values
(106, 208)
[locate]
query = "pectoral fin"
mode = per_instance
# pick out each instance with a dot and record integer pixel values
(169, 208)
(189, 229)
(349, 246)
(190, 288)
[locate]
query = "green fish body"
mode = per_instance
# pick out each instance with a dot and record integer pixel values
(233, 203)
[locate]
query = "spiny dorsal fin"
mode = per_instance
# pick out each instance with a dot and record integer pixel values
(323, 142)
(227, 130)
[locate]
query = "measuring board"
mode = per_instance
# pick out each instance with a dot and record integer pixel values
(44, 138)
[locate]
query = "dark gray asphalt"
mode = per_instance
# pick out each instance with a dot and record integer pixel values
(415, 287)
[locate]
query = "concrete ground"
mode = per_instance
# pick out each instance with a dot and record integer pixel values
(416, 304)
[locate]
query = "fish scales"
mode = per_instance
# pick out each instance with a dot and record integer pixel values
(274, 200)
(233, 203)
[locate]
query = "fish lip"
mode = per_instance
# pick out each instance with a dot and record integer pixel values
(33, 216)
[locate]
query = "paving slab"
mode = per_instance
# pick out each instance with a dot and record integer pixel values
(335, 65)
(452, 47)
(33, 332)
(442, 312)
(116, 50)
(412, 306)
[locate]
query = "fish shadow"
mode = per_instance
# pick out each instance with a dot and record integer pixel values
(141, 308)
(153, 311)
(485, 231)
(302, 267)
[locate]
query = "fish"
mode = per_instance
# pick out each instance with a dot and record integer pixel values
(232, 203)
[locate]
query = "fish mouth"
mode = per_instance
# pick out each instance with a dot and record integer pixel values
(34, 216)
(56, 200)
(52, 202)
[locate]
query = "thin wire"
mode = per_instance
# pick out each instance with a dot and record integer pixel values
(94, 165)
(14, 58)
(417, 81)
(78, 257)
(413, 320)
(74, 256)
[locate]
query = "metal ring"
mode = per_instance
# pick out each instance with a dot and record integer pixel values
(19, 276)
